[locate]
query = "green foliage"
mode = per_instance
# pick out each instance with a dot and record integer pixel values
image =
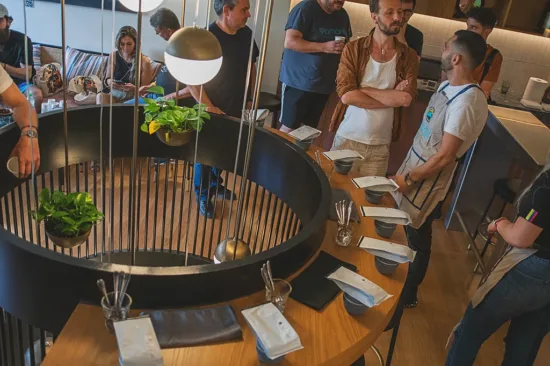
(167, 115)
(66, 215)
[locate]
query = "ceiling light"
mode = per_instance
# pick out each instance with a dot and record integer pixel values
(146, 5)
(193, 55)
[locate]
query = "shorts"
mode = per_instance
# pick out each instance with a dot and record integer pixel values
(23, 87)
(301, 107)
(376, 157)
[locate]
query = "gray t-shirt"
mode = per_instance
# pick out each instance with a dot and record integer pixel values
(314, 72)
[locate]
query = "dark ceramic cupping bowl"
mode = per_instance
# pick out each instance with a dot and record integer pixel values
(353, 306)
(383, 229)
(385, 266)
(374, 197)
(342, 166)
(262, 356)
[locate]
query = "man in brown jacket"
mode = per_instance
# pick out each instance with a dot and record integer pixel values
(376, 79)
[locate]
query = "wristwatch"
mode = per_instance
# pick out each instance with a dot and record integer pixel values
(32, 133)
(408, 180)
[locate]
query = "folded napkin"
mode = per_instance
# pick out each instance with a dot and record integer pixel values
(305, 133)
(137, 344)
(385, 249)
(179, 328)
(312, 288)
(359, 287)
(342, 195)
(275, 333)
(377, 184)
(342, 154)
(387, 215)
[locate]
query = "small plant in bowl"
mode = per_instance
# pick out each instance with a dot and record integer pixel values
(68, 217)
(174, 125)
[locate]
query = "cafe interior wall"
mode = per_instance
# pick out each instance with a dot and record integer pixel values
(83, 28)
(524, 55)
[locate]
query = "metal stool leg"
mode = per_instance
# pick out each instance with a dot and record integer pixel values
(378, 354)
(483, 217)
(488, 241)
(394, 334)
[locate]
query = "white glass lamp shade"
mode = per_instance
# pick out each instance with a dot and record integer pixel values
(193, 56)
(192, 72)
(146, 5)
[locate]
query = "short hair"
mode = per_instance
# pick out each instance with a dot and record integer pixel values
(472, 46)
(164, 18)
(374, 6)
(484, 16)
(219, 4)
(410, 1)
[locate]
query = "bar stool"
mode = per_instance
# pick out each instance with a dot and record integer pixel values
(506, 190)
(392, 325)
(272, 103)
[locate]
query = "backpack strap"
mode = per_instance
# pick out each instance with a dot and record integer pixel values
(487, 64)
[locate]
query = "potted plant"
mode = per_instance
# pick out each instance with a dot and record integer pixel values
(174, 125)
(68, 217)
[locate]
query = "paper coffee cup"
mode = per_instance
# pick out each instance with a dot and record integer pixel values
(340, 38)
(13, 166)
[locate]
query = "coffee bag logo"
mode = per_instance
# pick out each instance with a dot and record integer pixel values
(430, 114)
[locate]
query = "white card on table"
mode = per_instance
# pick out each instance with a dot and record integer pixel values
(305, 133)
(387, 215)
(137, 342)
(342, 154)
(274, 331)
(377, 184)
(388, 250)
(358, 287)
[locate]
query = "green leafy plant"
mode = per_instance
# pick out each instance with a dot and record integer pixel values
(66, 215)
(167, 115)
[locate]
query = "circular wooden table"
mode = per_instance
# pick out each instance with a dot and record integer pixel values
(329, 337)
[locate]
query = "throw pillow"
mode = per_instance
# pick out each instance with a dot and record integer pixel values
(49, 79)
(84, 64)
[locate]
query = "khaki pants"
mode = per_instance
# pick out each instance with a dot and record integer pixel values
(376, 156)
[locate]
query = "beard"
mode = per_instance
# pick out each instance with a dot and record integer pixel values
(4, 35)
(447, 64)
(387, 29)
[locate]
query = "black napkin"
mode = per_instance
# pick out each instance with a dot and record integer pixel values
(340, 195)
(180, 328)
(312, 288)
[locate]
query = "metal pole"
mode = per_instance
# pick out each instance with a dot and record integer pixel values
(65, 117)
(265, 34)
(132, 195)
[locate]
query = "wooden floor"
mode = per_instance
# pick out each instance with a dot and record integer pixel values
(443, 297)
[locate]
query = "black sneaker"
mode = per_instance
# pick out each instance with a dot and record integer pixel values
(206, 208)
(225, 194)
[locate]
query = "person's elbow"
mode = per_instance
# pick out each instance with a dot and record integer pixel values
(347, 98)
(406, 100)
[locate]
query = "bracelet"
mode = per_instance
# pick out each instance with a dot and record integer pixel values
(30, 127)
(497, 221)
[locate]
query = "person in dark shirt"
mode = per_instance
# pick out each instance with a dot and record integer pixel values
(14, 60)
(166, 23)
(518, 287)
(225, 93)
(316, 33)
(410, 35)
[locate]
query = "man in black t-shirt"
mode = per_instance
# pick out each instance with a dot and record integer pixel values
(410, 35)
(13, 60)
(225, 93)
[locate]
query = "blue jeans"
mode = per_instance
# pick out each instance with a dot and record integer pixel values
(141, 101)
(523, 297)
(210, 177)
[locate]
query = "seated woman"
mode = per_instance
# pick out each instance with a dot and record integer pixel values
(122, 83)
